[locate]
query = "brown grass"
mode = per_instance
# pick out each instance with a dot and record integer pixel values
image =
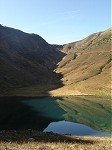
(26, 140)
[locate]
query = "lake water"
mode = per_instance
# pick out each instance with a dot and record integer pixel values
(65, 127)
(76, 115)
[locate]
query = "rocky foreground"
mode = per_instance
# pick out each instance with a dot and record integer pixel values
(34, 140)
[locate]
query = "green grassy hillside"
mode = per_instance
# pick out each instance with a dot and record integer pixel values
(87, 66)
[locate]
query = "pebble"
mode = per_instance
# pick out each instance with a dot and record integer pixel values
(31, 139)
(42, 147)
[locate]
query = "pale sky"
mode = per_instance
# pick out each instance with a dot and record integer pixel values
(57, 21)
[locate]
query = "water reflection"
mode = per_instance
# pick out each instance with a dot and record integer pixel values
(38, 113)
(65, 127)
(93, 111)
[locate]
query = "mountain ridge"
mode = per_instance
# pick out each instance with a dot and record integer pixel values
(87, 61)
(26, 60)
(31, 66)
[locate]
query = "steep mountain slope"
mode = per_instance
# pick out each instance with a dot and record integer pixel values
(86, 67)
(26, 60)
(32, 67)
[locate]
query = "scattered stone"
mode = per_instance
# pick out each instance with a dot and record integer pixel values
(42, 147)
(2, 131)
(77, 138)
(31, 139)
(67, 134)
(6, 148)
(51, 132)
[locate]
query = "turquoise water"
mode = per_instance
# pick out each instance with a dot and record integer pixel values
(82, 115)
(77, 115)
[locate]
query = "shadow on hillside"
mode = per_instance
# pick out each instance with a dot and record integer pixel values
(32, 80)
(27, 136)
(14, 114)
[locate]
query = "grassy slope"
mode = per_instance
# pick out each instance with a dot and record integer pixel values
(88, 73)
(26, 60)
(21, 141)
(86, 68)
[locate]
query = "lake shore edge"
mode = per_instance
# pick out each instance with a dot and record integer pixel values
(25, 139)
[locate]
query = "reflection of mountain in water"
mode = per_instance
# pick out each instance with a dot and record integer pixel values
(15, 115)
(92, 111)
(38, 113)
(65, 127)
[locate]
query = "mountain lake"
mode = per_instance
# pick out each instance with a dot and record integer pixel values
(74, 115)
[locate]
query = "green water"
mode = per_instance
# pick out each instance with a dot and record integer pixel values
(38, 113)
(92, 111)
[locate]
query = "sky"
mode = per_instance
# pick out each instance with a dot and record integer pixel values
(57, 21)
